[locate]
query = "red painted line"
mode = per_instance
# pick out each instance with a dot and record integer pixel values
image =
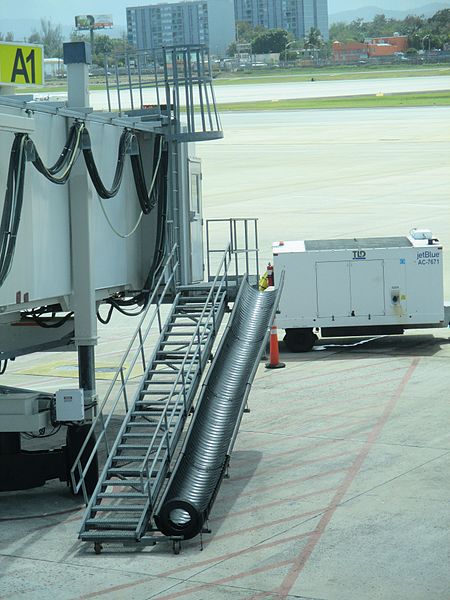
(276, 443)
(323, 401)
(341, 413)
(115, 588)
(253, 528)
(285, 484)
(336, 427)
(279, 469)
(257, 508)
(287, 420)
(301, 560)
(48, 525)
(269, 457)
(355, 367)
(351, 378)
(247, 550)
(226, 580)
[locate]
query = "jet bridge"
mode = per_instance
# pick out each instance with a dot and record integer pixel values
(94, 202)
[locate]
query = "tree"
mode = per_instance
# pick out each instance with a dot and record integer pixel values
(245, 33)
(7, 37)
(232, 49)
(271, 40)
(314, 39)
(50, 37)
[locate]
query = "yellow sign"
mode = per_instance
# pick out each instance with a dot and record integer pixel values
(21, 64)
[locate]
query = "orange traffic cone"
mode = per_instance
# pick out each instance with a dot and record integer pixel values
(274, 351)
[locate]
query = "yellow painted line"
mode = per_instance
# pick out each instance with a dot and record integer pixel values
(104, 370)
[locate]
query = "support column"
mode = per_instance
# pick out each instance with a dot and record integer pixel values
(77, 57)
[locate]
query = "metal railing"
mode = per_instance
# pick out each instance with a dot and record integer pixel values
(117, 395)
(166, 434)
(173, 84)
(242, 237)
(191, 366)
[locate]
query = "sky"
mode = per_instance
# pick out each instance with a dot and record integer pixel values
(61, 12)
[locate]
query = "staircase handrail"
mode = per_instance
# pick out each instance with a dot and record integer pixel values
(168, 271)
(165, 419)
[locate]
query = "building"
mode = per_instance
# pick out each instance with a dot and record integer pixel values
(388, 46)
(296, 16)
(380, 48)
(209, 22)
(349, 52)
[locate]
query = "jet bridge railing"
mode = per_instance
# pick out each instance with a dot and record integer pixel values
(133, 363)
(173, 84)
(241, 234)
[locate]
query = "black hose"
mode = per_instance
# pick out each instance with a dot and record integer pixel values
(159, 194)
(66, 151)
(66, 159)
(147, 199)
(100, 188)
(12, 208)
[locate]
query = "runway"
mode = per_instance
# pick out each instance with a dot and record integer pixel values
(280, 91)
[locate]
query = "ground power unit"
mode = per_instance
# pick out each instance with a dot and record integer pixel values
(360, 286)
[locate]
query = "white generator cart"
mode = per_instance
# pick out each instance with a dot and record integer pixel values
(360, 286)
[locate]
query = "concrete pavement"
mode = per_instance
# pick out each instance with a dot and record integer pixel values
(338, 485)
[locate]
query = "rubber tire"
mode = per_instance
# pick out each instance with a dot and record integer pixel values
(167, 527)
(75, 436)
(300, 340)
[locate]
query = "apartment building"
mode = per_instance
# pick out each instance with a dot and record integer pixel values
(296, 16)
(209, 22)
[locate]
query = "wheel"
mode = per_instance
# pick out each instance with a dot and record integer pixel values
(300, 340)
(176, 546)
(98, 548)
(76, 434)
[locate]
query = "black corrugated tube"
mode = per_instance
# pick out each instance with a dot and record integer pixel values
(198, 473)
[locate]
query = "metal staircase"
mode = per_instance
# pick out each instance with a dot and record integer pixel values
(138, 463)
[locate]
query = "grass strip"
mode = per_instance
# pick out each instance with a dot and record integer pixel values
(328, 75)
(440, 98)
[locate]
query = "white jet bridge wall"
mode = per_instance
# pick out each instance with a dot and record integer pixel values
(41, 266)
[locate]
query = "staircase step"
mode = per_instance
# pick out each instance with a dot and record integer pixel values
(124, 471)
(157, 392)
(130, 470)
(121, 495)
(165, 382)
(107, 535)
(128, 458)
(132, 446)
(155, 403)
(144, 424)
(186, 314)
(199, 305)
(124, 482)
(121, 523)
(178, 334)
(189, 325)
(169, 359)
(119, 507)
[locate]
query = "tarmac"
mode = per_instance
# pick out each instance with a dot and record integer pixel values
(338, 486)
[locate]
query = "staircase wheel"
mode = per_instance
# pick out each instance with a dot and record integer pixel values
(176, 546)
(98, 548)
